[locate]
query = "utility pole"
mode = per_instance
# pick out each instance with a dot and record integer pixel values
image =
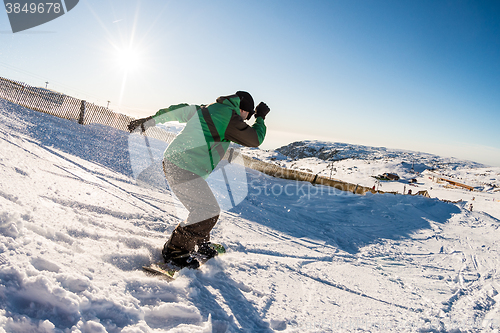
(331, 169)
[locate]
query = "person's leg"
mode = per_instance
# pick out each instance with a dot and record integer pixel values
(186, 238)
(195, 194)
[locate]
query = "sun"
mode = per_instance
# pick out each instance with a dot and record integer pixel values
(129, 59)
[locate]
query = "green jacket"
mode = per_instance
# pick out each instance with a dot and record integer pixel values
(207, 134)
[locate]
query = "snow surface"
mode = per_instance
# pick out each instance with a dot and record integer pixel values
(76, 226)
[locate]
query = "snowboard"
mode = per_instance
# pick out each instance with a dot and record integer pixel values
(167, 270)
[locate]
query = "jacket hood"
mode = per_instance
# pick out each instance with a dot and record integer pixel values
(232, 101)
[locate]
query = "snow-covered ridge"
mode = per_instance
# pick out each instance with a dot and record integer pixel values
(359, 164)
(336, 151)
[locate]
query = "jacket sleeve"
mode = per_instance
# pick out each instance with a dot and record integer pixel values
(240, 132)
(181, 113)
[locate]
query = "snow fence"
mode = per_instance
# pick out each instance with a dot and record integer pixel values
(280, 172)
(67, 107)
(83, 112)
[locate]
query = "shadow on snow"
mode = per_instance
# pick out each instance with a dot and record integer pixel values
(338, 218)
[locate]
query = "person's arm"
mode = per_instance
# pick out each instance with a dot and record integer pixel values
(240, 132)
(181, 113)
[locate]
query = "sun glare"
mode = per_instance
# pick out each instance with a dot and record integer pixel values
(128, 59)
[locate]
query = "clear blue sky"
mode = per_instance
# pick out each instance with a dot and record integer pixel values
(420, 75)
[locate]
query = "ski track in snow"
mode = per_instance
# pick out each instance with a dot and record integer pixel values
(75, 228)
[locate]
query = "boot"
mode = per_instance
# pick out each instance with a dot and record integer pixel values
(208, 250)
(179, 258)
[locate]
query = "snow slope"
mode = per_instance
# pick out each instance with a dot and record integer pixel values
(76, 226)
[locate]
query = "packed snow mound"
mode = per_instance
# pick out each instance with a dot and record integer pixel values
(76, 225)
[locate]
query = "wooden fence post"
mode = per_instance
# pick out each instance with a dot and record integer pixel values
(82, 112)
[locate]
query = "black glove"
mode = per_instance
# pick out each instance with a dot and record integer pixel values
(141, 124)
(262, 110)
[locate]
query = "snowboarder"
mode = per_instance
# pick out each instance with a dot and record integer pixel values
(193, 155)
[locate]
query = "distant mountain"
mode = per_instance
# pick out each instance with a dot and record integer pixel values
(336, 151)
